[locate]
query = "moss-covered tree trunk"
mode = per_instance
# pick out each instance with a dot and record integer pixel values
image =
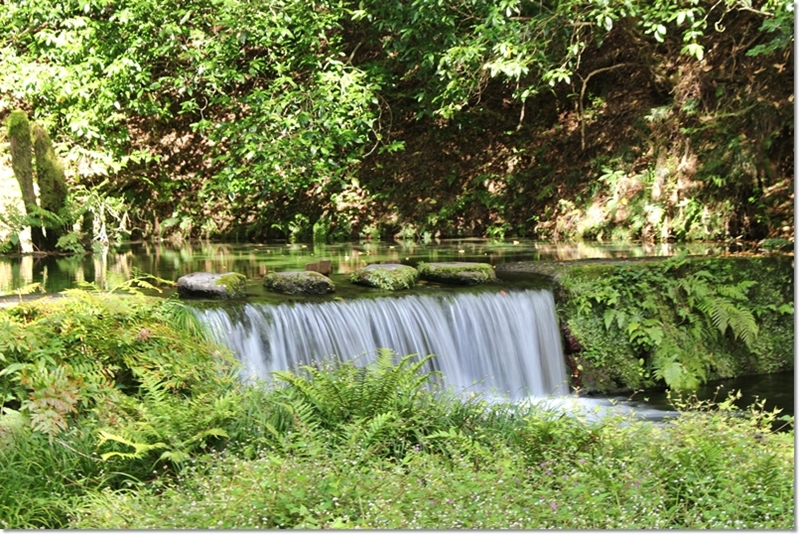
(19, 136)
(51, 180)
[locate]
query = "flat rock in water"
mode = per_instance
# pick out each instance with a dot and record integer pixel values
(465, 273)
(320, 266)
(299, 282)
(204, 285)
(386, 276)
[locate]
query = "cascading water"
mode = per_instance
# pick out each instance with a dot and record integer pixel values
(507, 343)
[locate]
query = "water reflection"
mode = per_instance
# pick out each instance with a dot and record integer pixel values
(109, 266)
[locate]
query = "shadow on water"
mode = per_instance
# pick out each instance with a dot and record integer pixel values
(775, 390)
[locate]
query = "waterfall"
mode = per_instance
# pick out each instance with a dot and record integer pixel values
(506, 343)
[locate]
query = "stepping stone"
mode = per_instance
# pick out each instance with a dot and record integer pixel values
(299, 283)
(462, 273)
(204, 285)
(386, 276)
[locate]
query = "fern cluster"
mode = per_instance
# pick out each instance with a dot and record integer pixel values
(676, 320)
(384, 407)
(102, 360)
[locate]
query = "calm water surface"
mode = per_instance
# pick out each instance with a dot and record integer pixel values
(775, 390)
(112, 266)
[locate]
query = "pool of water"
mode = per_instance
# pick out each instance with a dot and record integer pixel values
(109, 267)
(774, 390)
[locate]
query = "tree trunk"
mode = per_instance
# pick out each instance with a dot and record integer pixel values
(19, 136)
(52, 183)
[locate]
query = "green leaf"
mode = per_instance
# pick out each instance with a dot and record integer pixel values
(13, 367)
(694, 49)
(608, 317)
(673, 373)
(656, 335)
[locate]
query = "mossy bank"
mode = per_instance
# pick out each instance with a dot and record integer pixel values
(677, 322)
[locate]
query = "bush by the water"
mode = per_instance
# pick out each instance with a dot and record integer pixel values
(118, 413)
(681, 321)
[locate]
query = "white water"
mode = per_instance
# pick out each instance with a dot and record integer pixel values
(500, 343)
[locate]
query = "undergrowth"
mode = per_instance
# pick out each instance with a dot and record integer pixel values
(117, 413)
(520, 467)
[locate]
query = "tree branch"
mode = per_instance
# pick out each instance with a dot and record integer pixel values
(583, 92)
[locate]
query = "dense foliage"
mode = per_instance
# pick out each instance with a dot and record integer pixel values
(682, 321)
(256, 119)
(82, 371)
(116, 414)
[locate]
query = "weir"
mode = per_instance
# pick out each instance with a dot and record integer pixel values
(504, 343)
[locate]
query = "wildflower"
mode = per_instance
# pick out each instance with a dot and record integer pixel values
(142, 335)
(548, 472)
(553, 506)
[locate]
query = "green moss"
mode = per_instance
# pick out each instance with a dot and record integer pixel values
(391, 277)
(19, 136)
(456, 272)
(234, 283)
(49, 172)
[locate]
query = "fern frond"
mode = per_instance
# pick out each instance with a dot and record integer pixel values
(302, 390)
(183, 318)
(372, 430)
(743, 325)
(304, 414)
(140, 449)
(215, 432)
(176, 457)
(724, 314)
(737, 292)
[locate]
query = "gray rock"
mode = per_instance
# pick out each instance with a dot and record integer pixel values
(299, 282)
(206, 285)
(386, 276)
(465, 273)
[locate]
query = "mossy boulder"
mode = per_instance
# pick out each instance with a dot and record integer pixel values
(386, 276)
(299, 282)
(463, 273)
(204, 285)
